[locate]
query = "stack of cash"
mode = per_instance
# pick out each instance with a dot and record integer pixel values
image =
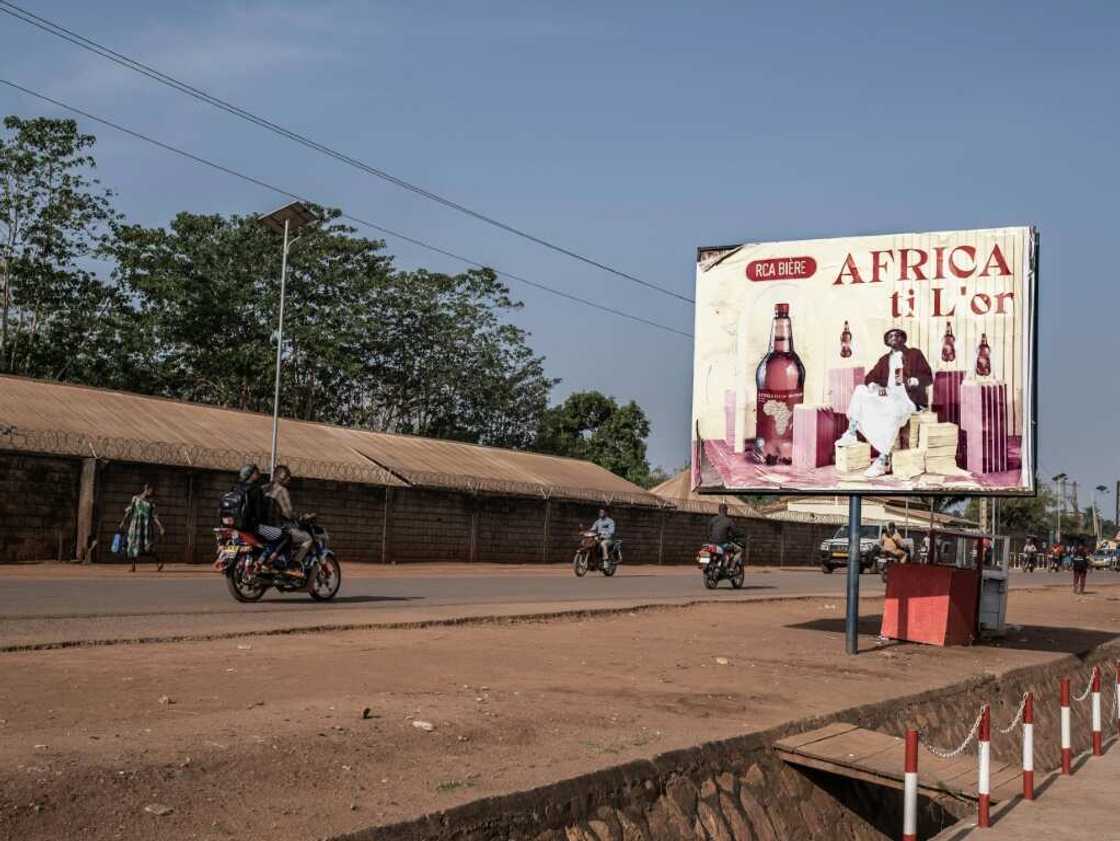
(916, 421)
(853, 457)
(939, 441)
(908, 464)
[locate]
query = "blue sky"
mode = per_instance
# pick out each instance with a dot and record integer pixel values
(632, 132)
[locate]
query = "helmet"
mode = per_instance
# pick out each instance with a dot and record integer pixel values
(245, 472)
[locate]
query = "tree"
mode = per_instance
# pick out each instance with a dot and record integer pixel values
(365, 345)
(589, 425)
(56, 316)
(447, 366)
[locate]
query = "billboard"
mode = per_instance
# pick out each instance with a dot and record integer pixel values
(901, 363)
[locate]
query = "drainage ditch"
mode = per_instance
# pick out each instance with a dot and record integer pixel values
(740, 790)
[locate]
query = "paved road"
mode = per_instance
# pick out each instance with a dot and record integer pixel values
(194, 594)
(63, 606)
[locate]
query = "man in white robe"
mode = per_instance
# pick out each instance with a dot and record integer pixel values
(893, 390)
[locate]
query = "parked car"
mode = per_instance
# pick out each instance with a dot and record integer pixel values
(1103, 559)
(834, 551)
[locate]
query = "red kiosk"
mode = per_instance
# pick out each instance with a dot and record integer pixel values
(939, 603)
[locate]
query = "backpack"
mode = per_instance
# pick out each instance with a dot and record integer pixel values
(233, 509)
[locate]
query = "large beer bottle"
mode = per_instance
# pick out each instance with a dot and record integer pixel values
(781, 386)
(845, 342)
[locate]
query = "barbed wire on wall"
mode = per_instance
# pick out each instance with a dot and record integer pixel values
(476, 485)
(115, 448)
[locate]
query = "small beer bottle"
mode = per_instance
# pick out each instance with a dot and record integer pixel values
(949, 345)
(845, 342)
(984, 357)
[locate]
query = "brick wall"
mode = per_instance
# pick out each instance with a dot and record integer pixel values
(38, 506)
(429, 526)
(39, 498)
(510, 530)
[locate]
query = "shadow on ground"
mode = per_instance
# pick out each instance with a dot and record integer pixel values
(1019, 637)
(302, 598)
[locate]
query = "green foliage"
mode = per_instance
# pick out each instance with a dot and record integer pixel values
(54, 312)
(589, 425)
(189, 311)
(364, 344)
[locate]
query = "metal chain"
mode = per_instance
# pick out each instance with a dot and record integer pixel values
(1088, 686)
(1018, 715)
(952, 754)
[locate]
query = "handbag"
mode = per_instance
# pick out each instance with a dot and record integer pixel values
(118, 543)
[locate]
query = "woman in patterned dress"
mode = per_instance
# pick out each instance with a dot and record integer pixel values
(141, 514)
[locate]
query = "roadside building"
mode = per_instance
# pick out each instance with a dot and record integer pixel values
(72, 456)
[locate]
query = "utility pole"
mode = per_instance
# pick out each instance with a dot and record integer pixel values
(1116, 519)
(1077, 509)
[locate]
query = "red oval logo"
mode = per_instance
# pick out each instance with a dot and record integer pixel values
(782, 268)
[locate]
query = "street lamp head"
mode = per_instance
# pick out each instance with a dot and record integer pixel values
(1057, 478)
(296, 214)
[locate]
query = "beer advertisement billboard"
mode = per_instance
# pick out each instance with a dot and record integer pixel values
(899, 363)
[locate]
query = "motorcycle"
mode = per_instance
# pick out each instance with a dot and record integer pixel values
(590, 557)
(717, 564)
(252, 564)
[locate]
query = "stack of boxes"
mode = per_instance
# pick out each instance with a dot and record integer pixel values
(842, 383)
(815, 431)
(984, 421)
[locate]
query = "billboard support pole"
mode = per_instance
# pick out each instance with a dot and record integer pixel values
(851, 626)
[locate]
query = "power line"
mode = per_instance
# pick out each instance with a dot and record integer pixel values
(85, 43)
(356, 219)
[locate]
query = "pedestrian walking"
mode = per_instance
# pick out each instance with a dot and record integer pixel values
(141, 516)
(1080, 565)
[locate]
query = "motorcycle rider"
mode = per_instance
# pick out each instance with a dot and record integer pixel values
(285, 517)
(1030, 555)
(604, 530)
(891, 545)
(722, 532)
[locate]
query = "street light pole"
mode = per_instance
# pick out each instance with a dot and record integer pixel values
(1061, 481)
(279, 350)
(284, 220)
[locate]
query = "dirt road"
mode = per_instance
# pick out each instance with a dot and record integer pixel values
(267, 737)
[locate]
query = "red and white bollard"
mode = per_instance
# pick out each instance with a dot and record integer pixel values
(1067, 745)
(1028, 747)
(910, 789)
(985, 754)
(1096, 699)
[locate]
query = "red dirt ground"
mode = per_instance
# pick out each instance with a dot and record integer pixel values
(264, 737)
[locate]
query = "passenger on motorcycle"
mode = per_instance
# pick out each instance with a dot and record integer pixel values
(722, 531)
(284, 516)
(604, 529)
(249, 480)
